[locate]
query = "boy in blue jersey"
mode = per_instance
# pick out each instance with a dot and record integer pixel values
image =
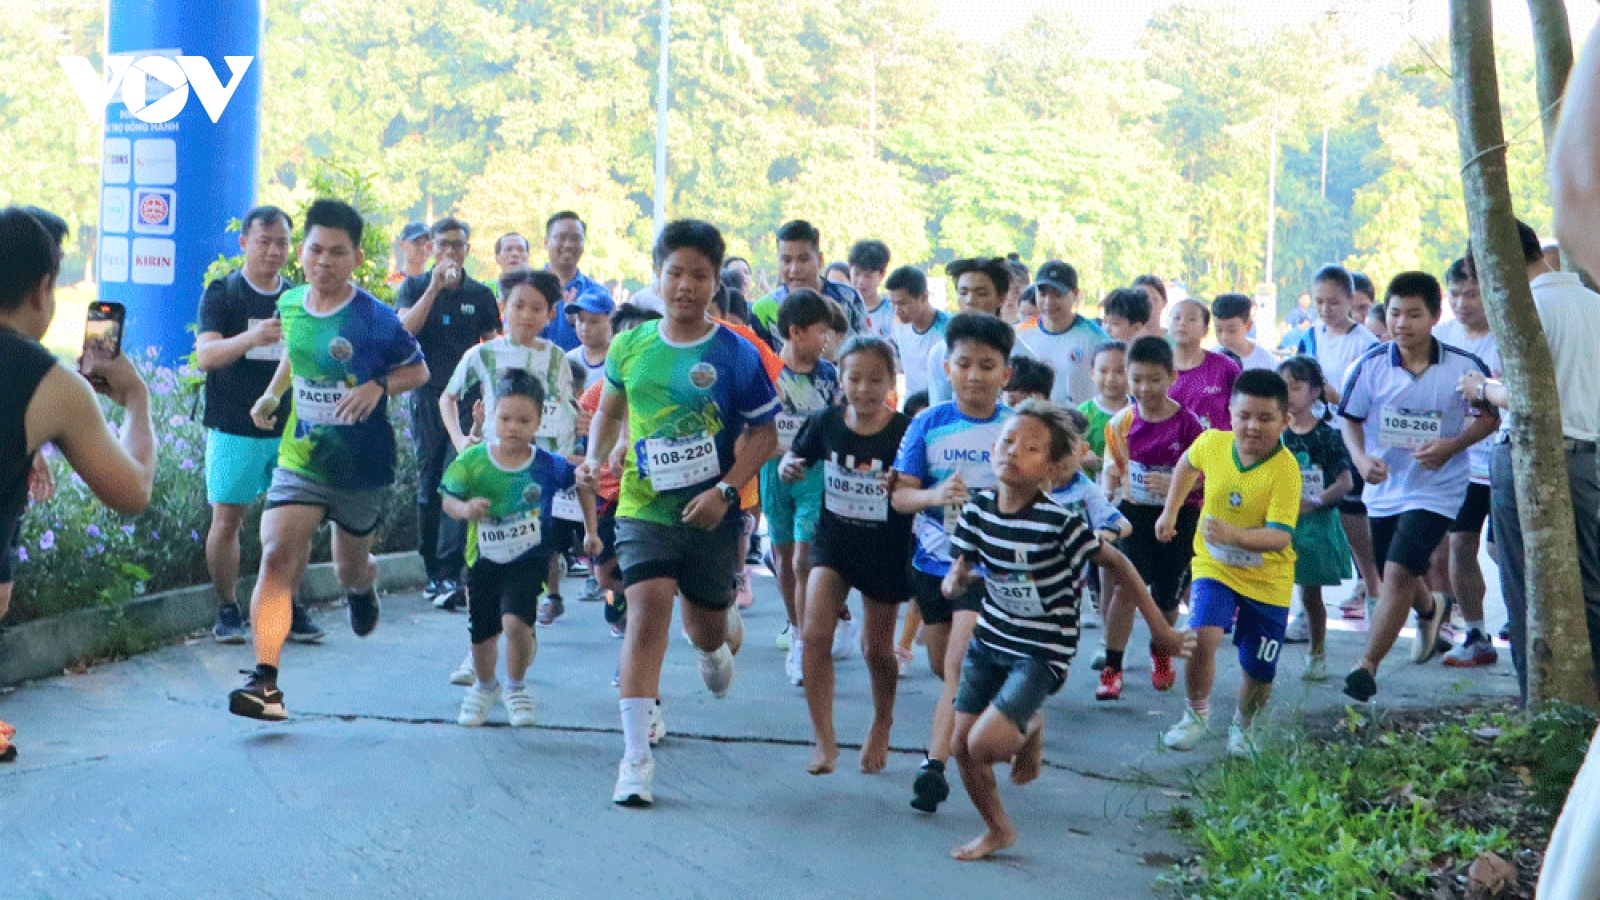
(346, 354)
(1407, 431)
(944, 455)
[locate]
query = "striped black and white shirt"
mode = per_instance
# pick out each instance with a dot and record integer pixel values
(1031, 561)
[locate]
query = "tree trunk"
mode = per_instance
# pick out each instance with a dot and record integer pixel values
(1559, 663)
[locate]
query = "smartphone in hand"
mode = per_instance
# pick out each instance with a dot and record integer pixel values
(102, 330)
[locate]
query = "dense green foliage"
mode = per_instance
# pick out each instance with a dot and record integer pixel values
(867, 117)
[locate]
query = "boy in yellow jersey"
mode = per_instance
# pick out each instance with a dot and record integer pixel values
(1243, 554)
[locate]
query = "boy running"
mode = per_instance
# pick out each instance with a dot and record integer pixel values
(591, 319)
(1243, 562)
(1111, 397)
(1230, 314)
(1059, 336)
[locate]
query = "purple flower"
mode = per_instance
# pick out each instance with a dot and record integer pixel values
(47, 540)
(155, 535)
(176, 421)
(187, 465)
(22, 554)
(194, 535)
(93, 531)
(127, 530)
(151, 352)
(99, 549)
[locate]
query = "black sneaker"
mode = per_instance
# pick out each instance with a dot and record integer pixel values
(363, 612)
(433, 589)
(302, 630)
(1360, 686)
(550, 609)
(453, 597)
(930, 787)
(258, 699)
(230, 625)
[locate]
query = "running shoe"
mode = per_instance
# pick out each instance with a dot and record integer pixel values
(451, 597)
(1505, 633)
(592, 592)
(1162, 675)
(432, 589)
(1188, 733)
(464, 674)
(1316, 668)
(903, 660)
(634, 779)
(1240, 740)
(658, 724)
(784, 637)
(550, 609)
(230, 625)
(619, 630)
(1360, 686)
(1355, 606)
(363, 612)
(576, 565)
(1475, 650)
(258, 699)
(716, 670)
(1298, 631)
(1426, 644)
(930, 788)
(302, 630)
(791, 663)
(1098, 661)
(519, 706)
(1110, 687)
(475, 706)
(846, 637)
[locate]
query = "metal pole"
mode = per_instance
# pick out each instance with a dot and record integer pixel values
(1324, 162)
(661, 120)
(1272, 201)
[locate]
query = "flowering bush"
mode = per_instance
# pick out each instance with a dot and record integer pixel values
(75, 553)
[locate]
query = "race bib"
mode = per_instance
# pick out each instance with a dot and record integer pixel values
(1239, 558)
(952, 515)
(788, 427)
(507, 539)
(1016, 594)
(315, 401)
(1311, 482)
(551, 420)
(269, 353)
(565, 506)
(851, 494)
(672, 463)
(1406, 430)
(1139, 490)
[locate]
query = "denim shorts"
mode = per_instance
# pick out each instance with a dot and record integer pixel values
(1017, 686)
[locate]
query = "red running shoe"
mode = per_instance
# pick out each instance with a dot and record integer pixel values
(1162, 676)
(1110, 685)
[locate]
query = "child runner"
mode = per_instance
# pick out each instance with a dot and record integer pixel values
(911, 624)
(1124, 314)
(1205, 379)
(1231, 314)
(1408, 431)
(506, 488)
(1029, 378)
(687, 388)
(1321, 553)
(1111, 397)
(591, 319)
(1032, 549)
(1376, 315)
(1059, 336)
(1143, 445)
(944, 455)
(807, 384)
(860, 542)
(1243, 561)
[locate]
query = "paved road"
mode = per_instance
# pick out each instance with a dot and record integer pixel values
(135, 782)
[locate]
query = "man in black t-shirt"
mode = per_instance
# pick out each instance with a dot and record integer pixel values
(238, 346)
(449, 314)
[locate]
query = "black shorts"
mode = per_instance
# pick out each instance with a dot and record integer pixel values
(504, 589)
(1408, 539)
(936, 608)
(8, 550)
(1163, 566)
(1474, 510)
(1350, 504)
(873, 574)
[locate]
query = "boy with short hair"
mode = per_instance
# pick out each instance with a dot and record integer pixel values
(918, 325)
(981, 285)
(1110, 363)
(945, 454)
(869, 263)
(1231, 323)
(1030, 378)
(807, 384)
(1125, 313)
(1243, 565)
(1407, 430)
(1059, 336)
(591, 319)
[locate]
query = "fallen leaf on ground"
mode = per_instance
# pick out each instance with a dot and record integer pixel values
(1490, 875)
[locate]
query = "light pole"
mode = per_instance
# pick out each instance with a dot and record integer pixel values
(661, 119)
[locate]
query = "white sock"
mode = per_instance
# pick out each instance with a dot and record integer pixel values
(486, 686)
(514, 685)
(636, 726)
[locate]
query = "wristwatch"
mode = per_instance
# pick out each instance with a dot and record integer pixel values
(382, 381)
(730, 494)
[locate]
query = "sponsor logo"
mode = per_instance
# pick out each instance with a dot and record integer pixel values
(154, 88)
(703, 375)
(339, 348)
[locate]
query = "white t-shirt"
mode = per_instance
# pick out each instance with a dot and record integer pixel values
(1069, 352)
(1259, 358)
(484, 364)
(914, 347)
(1484, 348)
(1570, 313)
(880, 321)
(591, 374)
(1335, 353)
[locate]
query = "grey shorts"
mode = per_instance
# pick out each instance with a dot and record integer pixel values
(1017, 686)
(704, 563)
(356, 510)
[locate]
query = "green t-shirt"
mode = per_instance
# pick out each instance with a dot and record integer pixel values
(329, 354)
(520, 500)
(1098, 417)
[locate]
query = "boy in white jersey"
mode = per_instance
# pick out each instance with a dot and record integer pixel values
(591, 319)
(869, 263)
(1230, 321)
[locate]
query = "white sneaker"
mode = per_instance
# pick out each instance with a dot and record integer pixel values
(1240, 742)
(1091, 615)
(716, 670)
(846, 636)
(658, 724)
(475, 706)
(1098, 661)
(791, 663)
(783, 637)
(1298, 632)
(1316, 668)
(464, 675)
(1187, 733)
(634, 779)
(519, 706)
(735, 632)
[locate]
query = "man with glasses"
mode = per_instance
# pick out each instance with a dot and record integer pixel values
(564, 239)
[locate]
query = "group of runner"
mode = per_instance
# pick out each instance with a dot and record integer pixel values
(1044, 473)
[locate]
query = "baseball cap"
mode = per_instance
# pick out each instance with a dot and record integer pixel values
(595, 302)
(1057, 275)
(413, 230)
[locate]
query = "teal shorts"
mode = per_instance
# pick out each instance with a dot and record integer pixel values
(791, 509)
(238, 469)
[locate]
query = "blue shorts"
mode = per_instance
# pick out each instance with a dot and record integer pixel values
(1017, 686)
(792, 510)
(1257, 627)
(238, 468)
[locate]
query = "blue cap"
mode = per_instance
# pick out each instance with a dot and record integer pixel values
(595, 302)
